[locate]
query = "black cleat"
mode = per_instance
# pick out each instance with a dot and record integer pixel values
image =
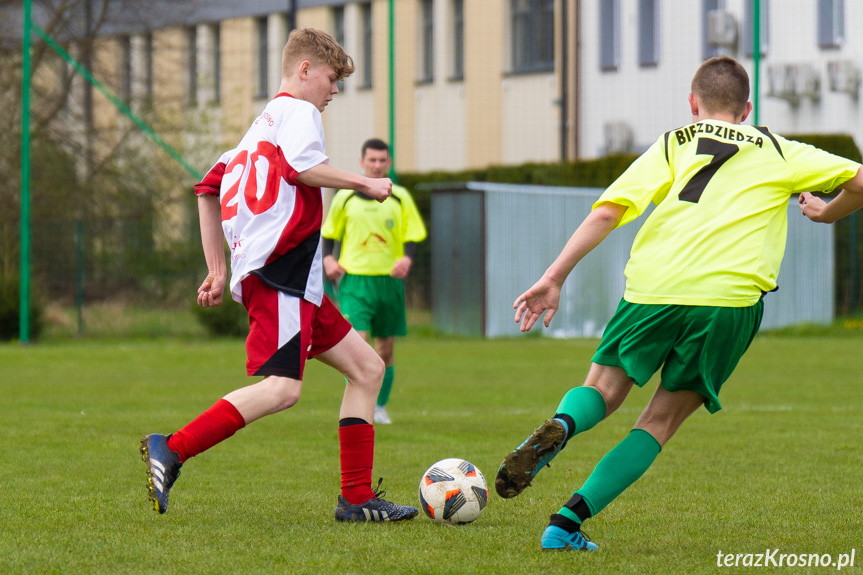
(374, 510)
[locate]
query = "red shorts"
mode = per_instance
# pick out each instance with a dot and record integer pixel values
(285, 330)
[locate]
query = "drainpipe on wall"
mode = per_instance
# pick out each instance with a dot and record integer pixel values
(392, 88)
(564, 78)
(576, 123)
(292, 15)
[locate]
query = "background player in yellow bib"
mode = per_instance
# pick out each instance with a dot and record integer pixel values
(697, 273)
(378, 243)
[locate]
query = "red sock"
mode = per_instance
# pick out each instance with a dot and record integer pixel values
(211, 427)
(357, 453)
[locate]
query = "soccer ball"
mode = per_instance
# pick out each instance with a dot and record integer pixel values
(453, 491)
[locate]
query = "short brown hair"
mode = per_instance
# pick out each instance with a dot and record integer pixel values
(317, 47)
(374, 144)
(721, 84)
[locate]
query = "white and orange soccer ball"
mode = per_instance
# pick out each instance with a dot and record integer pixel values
(453, 491)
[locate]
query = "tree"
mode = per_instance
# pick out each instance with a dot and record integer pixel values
(89, 163)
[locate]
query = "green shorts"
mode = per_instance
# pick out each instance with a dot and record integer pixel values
(697, 346)
(374, 304)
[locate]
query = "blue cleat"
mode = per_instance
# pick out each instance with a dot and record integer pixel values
(163, 468)
(559, 539)
(523, 464)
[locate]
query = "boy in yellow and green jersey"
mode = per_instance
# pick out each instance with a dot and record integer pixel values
(378, 244)
(697, 273)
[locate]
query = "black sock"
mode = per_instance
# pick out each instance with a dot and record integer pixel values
(570, 424)
(564, 523)
(352, 421)
(578, 505)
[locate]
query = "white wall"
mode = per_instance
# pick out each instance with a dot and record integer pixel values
(653, 99)
(439, 106)
(349, 119)
(439, 126)
(531, 118)
(793, 39)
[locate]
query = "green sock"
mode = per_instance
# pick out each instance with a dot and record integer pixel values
(387, 385)
(585, 405)
(619, 469)
(569, 514)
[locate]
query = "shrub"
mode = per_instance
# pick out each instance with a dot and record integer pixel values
(227, 320)
(10, 305)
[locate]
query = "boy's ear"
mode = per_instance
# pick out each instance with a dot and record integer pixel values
(303, 70)
(746, 111)
(693, 104)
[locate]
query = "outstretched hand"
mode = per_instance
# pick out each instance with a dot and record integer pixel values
(544, 295)
(211, 291)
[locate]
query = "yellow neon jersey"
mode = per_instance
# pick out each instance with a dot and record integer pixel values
(717, 235)
(372, 234)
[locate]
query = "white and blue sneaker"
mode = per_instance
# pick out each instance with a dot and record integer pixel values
(381, 416)
(163, 469)
(559, 539)
(521, 465)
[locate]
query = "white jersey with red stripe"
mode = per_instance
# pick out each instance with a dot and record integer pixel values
(271, 221)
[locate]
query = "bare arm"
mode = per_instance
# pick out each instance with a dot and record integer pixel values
(326, 176)
(849, 200)
(210, 214)
(545, 293)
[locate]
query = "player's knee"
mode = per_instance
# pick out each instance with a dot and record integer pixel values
(285, 393)
(377, 369)
(612, 395)
(372, 372)
(386, 354)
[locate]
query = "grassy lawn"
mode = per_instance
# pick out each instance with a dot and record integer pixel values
(779, 467)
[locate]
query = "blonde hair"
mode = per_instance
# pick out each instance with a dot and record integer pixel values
(317, 47)
(721, 84)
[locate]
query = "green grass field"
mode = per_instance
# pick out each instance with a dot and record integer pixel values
(779, 467)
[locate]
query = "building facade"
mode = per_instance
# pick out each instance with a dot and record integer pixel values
(477, 82)
(637, 57)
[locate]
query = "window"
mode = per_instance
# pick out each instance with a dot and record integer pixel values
(458, 39)
(609, 34)
(831, 23)
(532, 35)
(217, 63)
(191, 66)
(707, 49)
(338, 15)
(126, 69)
(366, 22)
(764, 28)
(263, 88)
(291, 18)
(148, 69)
(427, 39)
(648, 32)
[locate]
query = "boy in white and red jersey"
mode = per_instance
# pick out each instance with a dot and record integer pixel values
(264, 197)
